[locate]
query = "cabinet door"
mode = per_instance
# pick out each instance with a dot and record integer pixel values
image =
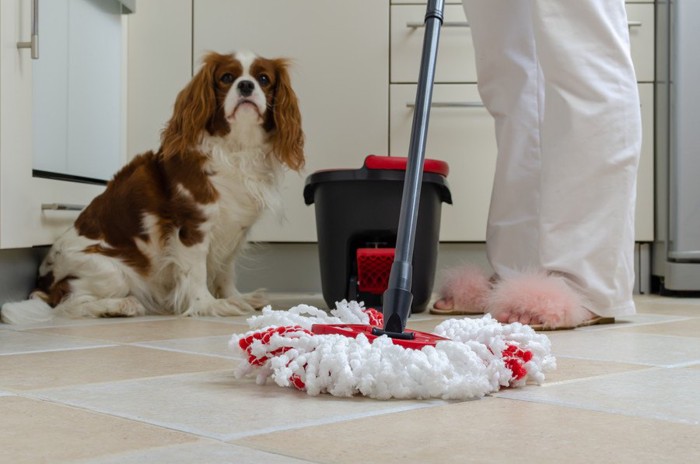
(464, 137)
(340, 56)
(644, 218)
(23, 221)
(455, 58)
(461, 132)
(640, 18)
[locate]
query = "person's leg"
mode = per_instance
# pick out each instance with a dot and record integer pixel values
(510, 85)
(591, 141)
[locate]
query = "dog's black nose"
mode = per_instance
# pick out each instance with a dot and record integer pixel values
(246, 88)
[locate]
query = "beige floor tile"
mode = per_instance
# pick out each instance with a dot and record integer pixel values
(569, 369)
(616, 345)
(491, 430)
(656, 393)
(197, 453)
(216, 405)
(211, 346)
(62, 368)
(36, 431)
(134, 331)
(671, 306)
(12, 342)
(88, 321)
(685, 328)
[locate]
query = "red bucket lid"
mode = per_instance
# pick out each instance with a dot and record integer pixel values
(398, 163)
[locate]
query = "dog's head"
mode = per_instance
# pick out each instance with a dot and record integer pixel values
(240, 88)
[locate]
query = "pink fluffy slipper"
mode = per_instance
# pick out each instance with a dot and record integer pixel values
(542, 301)
(465, 290)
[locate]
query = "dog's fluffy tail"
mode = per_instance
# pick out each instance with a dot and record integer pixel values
(26, 312)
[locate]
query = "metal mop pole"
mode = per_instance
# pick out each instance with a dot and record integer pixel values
(397, 298)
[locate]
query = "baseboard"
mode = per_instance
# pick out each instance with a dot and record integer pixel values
(277, 267)
(18, 271)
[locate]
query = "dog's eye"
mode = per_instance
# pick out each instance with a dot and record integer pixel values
(227, 78)
(264, 79)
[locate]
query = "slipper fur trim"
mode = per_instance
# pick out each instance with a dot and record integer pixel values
(544, 298)
(469, 287)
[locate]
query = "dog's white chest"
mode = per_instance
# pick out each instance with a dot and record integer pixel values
(248, 184)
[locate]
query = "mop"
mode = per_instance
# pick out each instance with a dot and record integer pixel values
(471, 358)
(360, 351)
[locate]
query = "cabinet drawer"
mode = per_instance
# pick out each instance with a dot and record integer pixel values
(462, 136)
(422, 2)
(456, 56)
(641, 20)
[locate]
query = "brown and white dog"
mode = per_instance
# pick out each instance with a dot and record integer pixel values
(163, 236)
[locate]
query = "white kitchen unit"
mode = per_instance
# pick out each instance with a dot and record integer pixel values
(62, 114)
(354, 67)
(160, 65)
(461, 131)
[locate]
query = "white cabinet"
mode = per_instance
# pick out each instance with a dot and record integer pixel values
(340, 67)
(354, 67)
(456, 57)
(159, 66)
(23, 222)
(464, 136)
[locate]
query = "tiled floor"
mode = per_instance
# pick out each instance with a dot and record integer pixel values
(161, 390)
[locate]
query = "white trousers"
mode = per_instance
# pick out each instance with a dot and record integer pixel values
(558, 79)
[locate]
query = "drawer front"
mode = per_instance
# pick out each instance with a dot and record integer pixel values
(458, 2)
(424, 2)
(641, 21)
(456, 55)
(464, 137)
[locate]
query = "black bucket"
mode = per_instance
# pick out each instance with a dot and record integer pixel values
(357, 211)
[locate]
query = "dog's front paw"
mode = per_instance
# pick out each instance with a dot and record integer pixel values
(126, 307)
(256, 299)
(220, 307)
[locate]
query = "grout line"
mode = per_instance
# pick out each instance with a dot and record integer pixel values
(36, 392)
(58, 350)
(336, 419)
(642, 368)
(612, 412)
(184, 351)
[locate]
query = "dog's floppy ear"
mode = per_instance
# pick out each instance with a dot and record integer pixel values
(288, 137)
(194, 106)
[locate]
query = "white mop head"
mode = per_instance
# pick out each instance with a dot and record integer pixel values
(481, 356)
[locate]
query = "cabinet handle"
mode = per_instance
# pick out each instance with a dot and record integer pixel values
(418, 25)
(33, 43)
(451, 105)
(61, 207)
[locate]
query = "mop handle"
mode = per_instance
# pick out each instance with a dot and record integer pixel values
(398, 298)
